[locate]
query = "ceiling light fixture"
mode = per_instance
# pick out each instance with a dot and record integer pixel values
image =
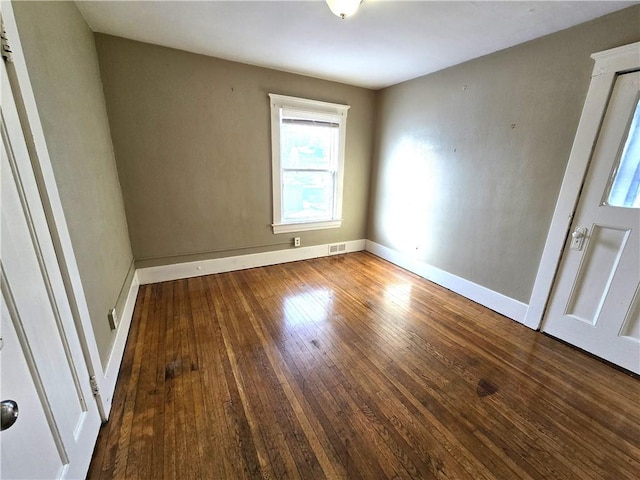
(344, 8)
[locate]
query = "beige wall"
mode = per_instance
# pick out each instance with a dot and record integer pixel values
(469, 160)
(192, 140)
(64, 72)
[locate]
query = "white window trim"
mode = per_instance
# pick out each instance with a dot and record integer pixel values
(314, 107)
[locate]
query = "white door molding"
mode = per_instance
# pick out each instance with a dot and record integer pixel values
(608, 64)
(41, 163)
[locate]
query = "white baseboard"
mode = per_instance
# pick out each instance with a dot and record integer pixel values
(177, 271)
(117, 349)
(502, 304)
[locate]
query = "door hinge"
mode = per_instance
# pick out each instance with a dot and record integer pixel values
(94, 385)
(5, 48)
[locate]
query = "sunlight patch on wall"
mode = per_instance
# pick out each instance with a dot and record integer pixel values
(409, 185)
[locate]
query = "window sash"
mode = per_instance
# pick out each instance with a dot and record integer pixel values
(315, 202)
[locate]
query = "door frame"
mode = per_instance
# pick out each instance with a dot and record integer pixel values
(608, 65)
(50, 198)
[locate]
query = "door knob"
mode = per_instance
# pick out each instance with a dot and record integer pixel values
(9, 414)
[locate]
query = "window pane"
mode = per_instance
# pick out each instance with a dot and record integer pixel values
(625, 191)
(307, 196)
(308, 145)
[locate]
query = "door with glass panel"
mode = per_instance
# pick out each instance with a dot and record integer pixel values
(595, 303)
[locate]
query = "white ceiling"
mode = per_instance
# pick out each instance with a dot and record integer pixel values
(385, 43)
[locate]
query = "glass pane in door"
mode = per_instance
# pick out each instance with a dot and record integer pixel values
(625, 188)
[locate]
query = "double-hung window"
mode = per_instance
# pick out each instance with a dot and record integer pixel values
(308, 142)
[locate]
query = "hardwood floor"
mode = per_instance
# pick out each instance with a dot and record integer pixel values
(349, 367)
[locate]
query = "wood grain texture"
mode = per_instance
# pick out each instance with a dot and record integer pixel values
(351, 368)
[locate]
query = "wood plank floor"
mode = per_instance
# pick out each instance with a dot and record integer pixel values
(349, 367)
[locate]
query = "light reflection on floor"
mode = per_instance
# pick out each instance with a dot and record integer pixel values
(399, 294)
(310, 307)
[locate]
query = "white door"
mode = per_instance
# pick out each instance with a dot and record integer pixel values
(595, 303)
(42, 368)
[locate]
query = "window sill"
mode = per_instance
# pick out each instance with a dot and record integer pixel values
(306, 226)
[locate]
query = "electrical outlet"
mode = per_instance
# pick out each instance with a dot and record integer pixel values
(296, 241)
(113, 319)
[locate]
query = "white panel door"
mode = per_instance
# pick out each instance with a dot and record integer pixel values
(41, 361)
(595, 303)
